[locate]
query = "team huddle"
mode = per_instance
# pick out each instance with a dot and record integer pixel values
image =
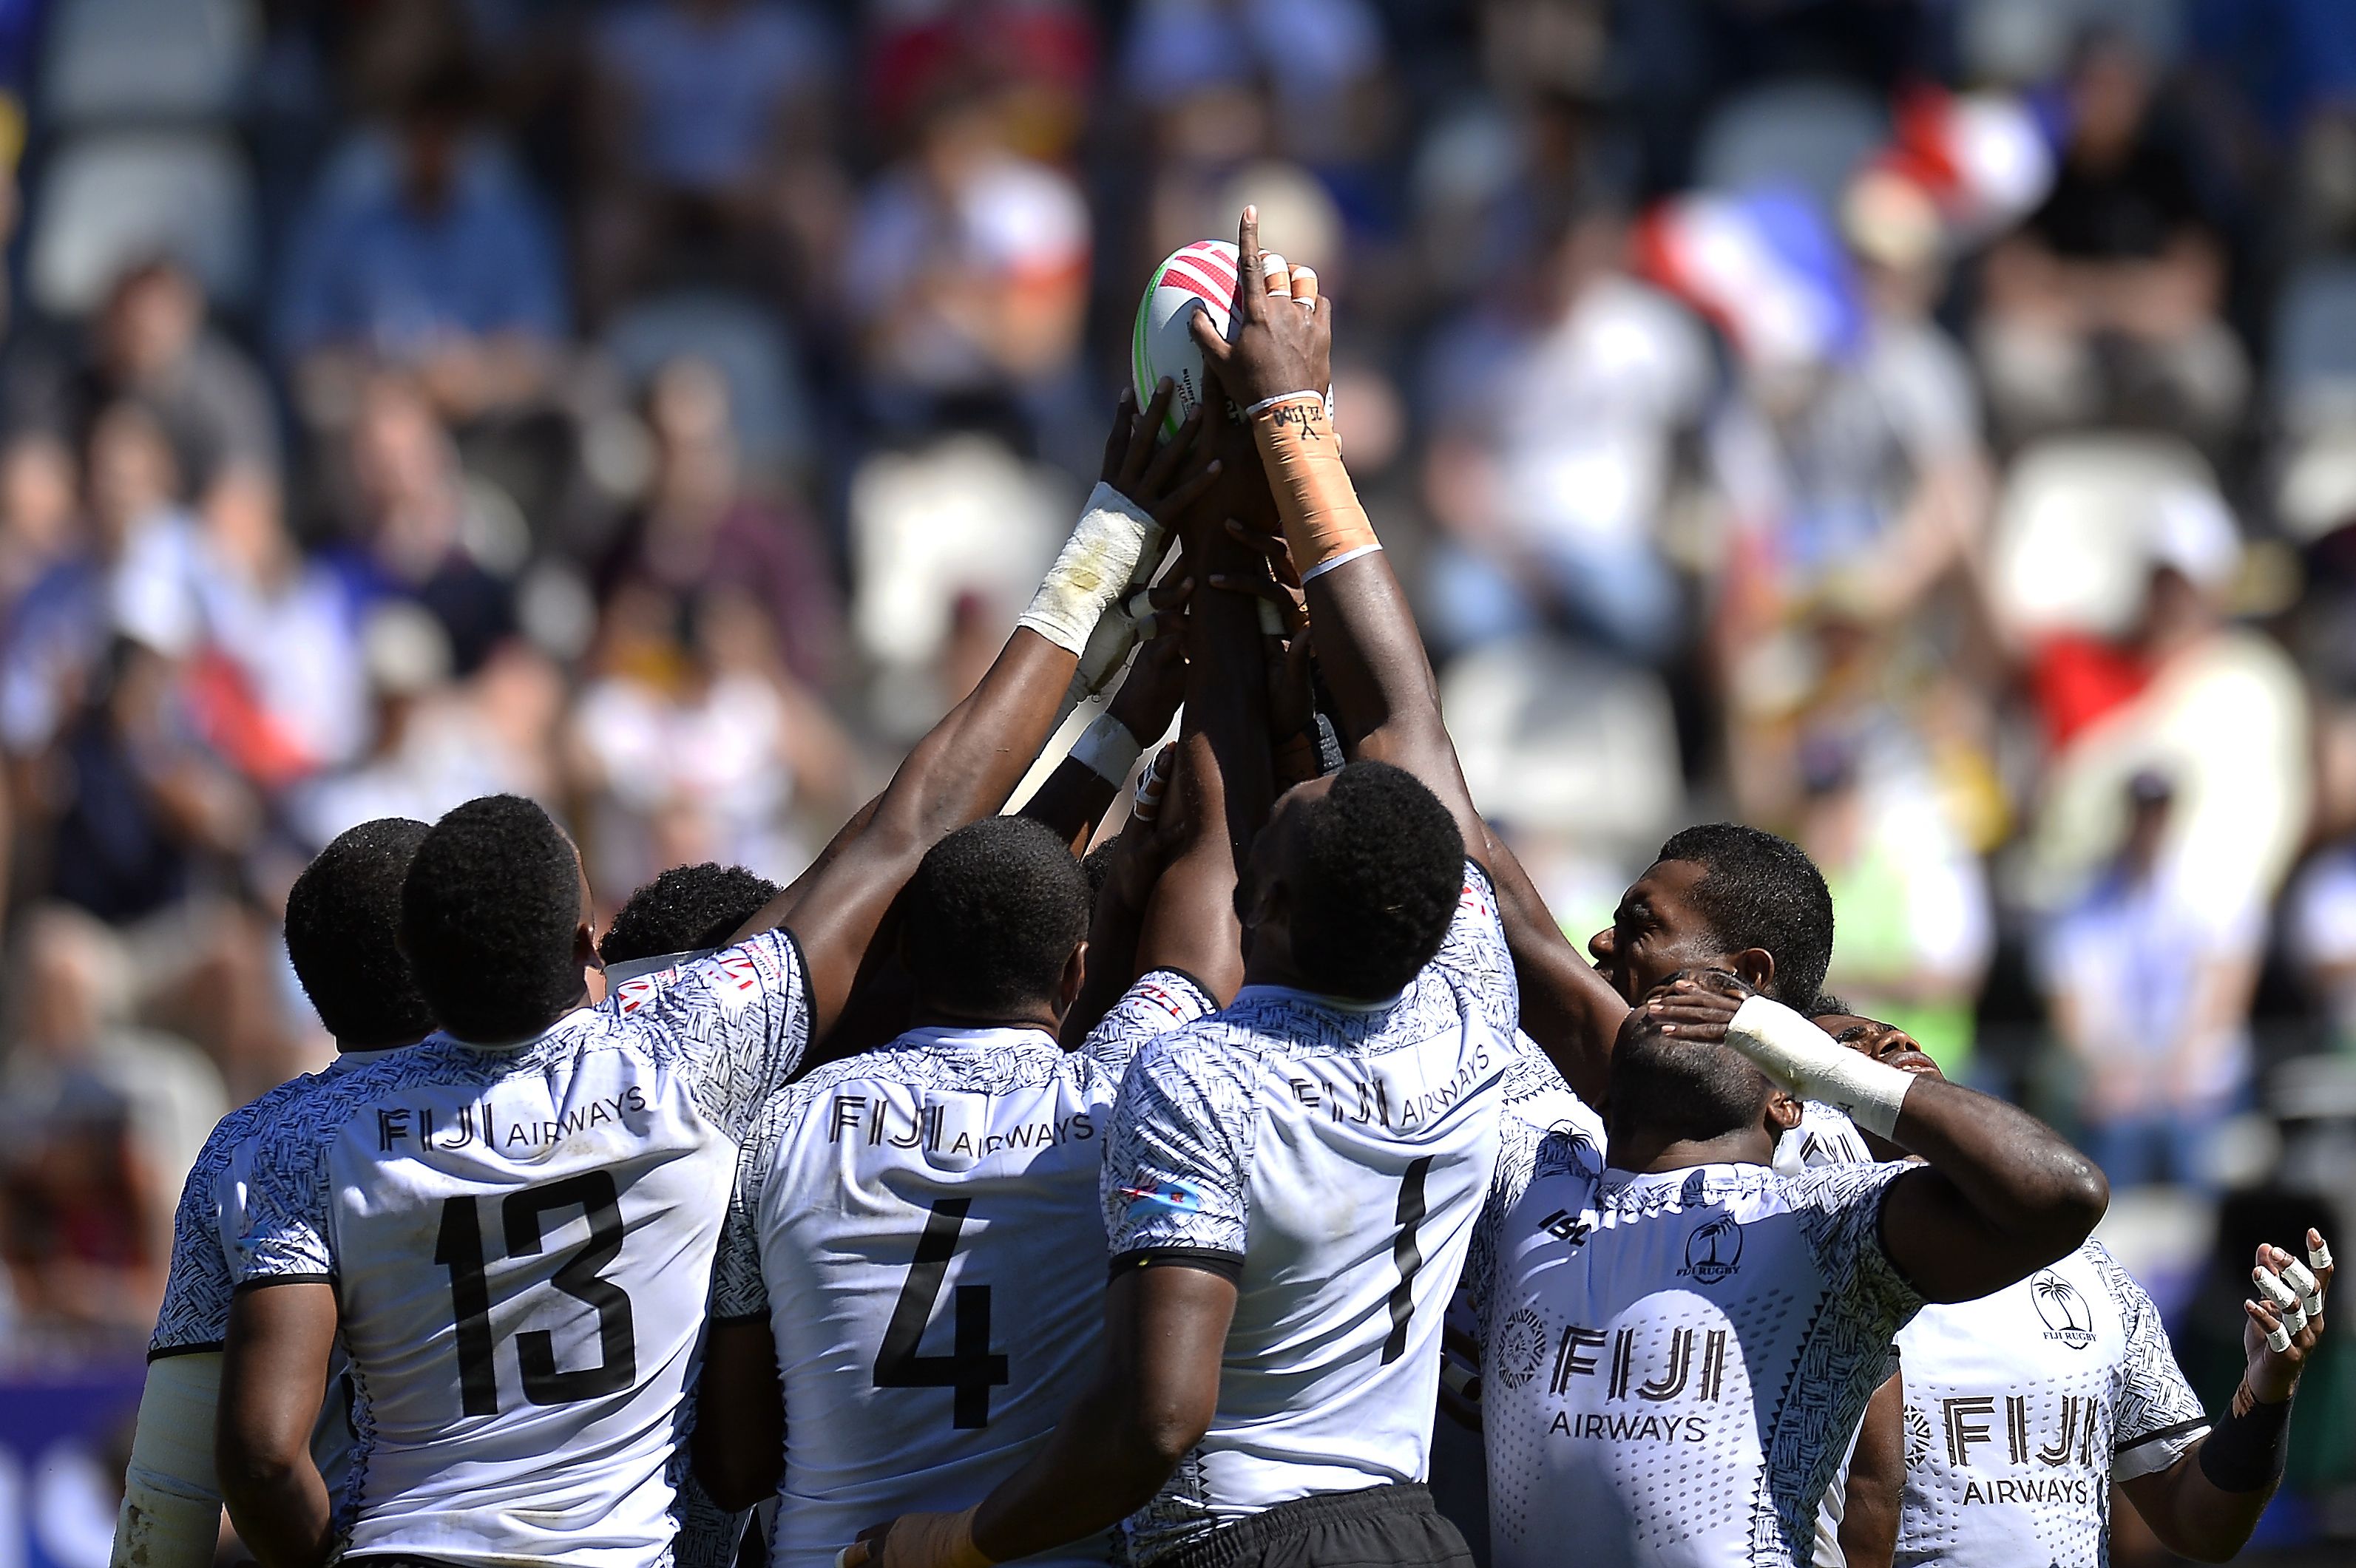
(976, 1199)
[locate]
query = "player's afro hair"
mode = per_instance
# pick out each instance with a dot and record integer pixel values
(992, 917)
(487, 918)
(1758, 890)
(343, 915)
(685, 909)
(1380, 864)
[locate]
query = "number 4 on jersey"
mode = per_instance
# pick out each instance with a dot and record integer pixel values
(970, 1367)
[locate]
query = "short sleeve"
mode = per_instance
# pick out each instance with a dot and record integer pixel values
(1161, 1001)
(2155, 1416)
(1179, 1155)
(285, 1238)
(1840, 1210)
(1473, 957)
(195, 1314)
(739, 1022)
(738, 1291)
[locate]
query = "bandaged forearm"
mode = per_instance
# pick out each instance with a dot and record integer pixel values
(2245, 1449)
(1800, 1057)
(1324, 522)
(171, 1508)
(1090, 574)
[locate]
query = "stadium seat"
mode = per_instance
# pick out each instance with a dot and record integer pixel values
(119, 60)
(1810, 133)
(110, 198)
(1555, 740)
(748, 344)
(2314, 349)
(2073, 530)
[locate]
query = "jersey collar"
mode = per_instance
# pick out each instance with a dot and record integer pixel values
(654, 964)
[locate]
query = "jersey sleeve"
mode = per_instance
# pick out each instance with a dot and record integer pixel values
(1179, 1156)
(738, 1291)
(195, 1314)
(284, 1239)
(1473, 957)
(738, 1023)
(1840, 1210)
(1162, 1000)
(2158, 1416)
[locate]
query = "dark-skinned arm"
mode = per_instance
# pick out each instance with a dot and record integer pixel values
(1877, 1480)
(739, 1443)
(1386, 699)
(273, 1379)
(1073, 798)
(1571, 1010)
(2002, 1195)
(2191, 1514)
(962, 770)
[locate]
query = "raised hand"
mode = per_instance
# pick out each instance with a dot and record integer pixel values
(1283, 342)
(1161, 480)
(2286, 1323)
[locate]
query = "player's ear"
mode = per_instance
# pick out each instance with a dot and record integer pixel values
(1783, 1113)
(1075, 971)
(1757, 967)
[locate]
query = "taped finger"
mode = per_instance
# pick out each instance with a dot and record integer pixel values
(2277, 1337)
(2311, 1293)
(1276, 272)
(1150, 786)
(1304, 286)
(2281, 1297)
(2318, 1257)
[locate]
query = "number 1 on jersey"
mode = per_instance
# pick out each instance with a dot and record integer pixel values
(970, 1367)
(1408, 1254)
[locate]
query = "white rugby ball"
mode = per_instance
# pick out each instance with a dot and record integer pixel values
(1194, 278)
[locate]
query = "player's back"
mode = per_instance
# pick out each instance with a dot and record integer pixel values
(931, 1263)
(521, 1242)
(1331, 1157)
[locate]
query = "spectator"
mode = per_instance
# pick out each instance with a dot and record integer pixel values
(1555, 413)
(2320, 926)
(152, 344)
(700, 528)
(967, 277)
(709, 121)
(2105, 306)
(418, 531)
(446, 268)
(40, 511)
(2150, 985)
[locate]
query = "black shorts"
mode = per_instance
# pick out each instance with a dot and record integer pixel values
(1381, 1527)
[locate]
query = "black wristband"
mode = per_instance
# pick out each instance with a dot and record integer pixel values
(2245, 1453)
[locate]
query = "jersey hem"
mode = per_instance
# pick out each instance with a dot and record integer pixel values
(201, 1348)
(259, 1281)
(1227, 1266)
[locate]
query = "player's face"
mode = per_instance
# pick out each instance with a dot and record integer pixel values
(1655, 933)
(1886, 1043)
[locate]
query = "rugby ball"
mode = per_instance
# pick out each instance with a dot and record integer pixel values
(1194, 278)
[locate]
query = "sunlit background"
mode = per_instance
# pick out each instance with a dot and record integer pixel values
(1925, 429)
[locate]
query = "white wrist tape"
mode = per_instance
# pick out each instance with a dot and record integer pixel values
(170, 1516)
(1107, 750)
(1090, 572)
(2279, 1295)
(1800, 1057)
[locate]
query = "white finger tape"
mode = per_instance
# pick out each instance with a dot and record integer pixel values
(2310, 1292)
(2278, 1295)
(2319, 1257)
(2277, 1340)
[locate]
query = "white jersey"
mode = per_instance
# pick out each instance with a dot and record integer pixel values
(921, 1237)
(2024, 1406)
(1332, 1157)
(521, 1240)
(1677, 1361)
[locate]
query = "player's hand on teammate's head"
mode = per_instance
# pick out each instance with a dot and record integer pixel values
(1697, 1003)
(2285, 1323)
(1283, 342)
(1162, 478)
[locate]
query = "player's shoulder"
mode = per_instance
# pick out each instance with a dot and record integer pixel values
(246, 1122)
(1829, 1189)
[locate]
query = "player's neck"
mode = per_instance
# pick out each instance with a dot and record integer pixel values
(1648, 1153)
(1039, 1016)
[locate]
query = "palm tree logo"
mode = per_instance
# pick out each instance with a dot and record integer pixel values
(1715, 1250)
(2067, 1317)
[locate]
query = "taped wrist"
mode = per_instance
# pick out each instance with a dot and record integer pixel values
(2244, 1452)
(171, 1501)
(1090, 572)
(1324, 522)
(945, 1541)
(1107, 750)
(1800, 1057)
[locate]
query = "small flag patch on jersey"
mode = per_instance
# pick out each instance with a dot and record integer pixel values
(1179, 1196)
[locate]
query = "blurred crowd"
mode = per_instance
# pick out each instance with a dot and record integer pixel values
(1925, 427)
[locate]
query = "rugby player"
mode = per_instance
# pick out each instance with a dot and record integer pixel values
(921, 1300)
(1680, 1346)
(513, 1225)
(1290, 1184)
(2023, 1408)
(685, 913)
(341, 914)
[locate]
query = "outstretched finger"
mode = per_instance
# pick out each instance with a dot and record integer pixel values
(1124, 426)
(1273, 546)
(2319, 1258)
(2277, 1337)
(1172, 455)
(1142, 446)
(1292, 617)
(1181, 500)
(1251, 283)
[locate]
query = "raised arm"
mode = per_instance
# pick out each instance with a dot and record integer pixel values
(1073, 798)
(2002, 1195)
(1571, 1011)
(970, 762)
(1277, 371)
